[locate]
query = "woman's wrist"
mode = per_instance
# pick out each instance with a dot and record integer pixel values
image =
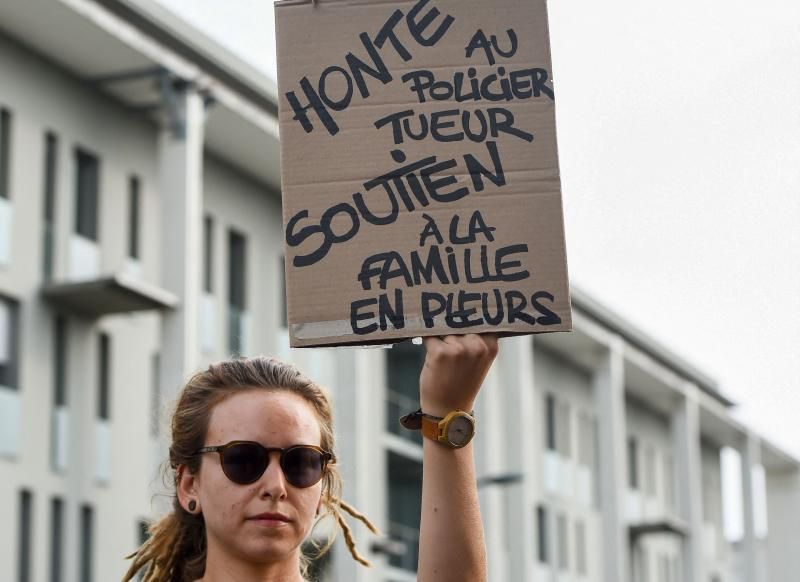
(440, 407)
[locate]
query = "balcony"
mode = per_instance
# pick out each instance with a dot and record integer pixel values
(106, 296)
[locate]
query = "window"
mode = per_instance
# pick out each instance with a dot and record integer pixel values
(580, 547)
(25, 535)
(104, 378)
(88, 177)
(542, 536)
(60, 362)
(563, 542)
(56, 539)
(404, 480)
(669, 481)
(208, 254)
(86, 543)
(236, 265)
(5, 151)
(633, 463)
(563, 426)
(403, 365)
(237, 282)
(50, 167)
(133, 216)
(9, 342)
(650, 470)
(550, 422)
(142, 528)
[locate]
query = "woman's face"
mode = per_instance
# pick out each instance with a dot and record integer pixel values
(274, 419)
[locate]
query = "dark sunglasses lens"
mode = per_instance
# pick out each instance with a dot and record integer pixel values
(303, 466)
(244, 463)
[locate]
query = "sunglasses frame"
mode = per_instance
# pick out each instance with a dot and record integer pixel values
(328, 458)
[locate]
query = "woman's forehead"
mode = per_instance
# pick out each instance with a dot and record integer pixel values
(271, 417)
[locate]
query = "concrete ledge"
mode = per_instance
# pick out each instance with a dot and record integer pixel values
(106, 296)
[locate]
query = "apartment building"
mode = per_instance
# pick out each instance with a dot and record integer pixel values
(141, 239)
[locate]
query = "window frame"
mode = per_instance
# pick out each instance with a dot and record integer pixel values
(6, 122)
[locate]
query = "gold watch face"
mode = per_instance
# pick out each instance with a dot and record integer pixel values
(459, 431)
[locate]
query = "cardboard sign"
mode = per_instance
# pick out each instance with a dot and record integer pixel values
(421, 191)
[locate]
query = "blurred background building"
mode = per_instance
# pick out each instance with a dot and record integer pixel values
(141, 239)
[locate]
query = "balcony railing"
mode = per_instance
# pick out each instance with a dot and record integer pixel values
(409, 536)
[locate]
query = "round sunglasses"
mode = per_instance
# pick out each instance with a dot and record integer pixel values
(244, 462)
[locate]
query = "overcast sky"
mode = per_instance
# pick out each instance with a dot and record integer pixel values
(679, 140)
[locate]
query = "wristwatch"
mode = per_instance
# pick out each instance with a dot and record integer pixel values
(454, 430)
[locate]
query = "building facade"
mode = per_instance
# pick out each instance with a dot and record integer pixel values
(141, 239)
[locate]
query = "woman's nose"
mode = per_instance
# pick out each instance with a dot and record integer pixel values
(273, 481)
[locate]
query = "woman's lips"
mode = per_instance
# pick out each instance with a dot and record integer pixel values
(270, 519)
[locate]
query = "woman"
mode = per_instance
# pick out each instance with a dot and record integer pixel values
(252, 448)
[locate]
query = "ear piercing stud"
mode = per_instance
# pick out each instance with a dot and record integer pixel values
(192, 505)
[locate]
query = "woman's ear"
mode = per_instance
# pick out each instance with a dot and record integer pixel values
(186, 487)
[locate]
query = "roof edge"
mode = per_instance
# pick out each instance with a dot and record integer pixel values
(194, 45)
(652, 347)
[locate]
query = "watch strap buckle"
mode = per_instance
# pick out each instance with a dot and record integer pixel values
(412, 420)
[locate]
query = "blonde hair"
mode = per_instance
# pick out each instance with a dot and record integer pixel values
(176, 548)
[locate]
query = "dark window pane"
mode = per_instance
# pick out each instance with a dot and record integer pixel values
(50, 167)
(25, 535)
(60, 362)
(9, 342)
(550, 422)
(87, 542)
(104, 378)
(88, 177)
(403, 366)
(5, 151)
(541, 529)
(236, 269)
(237, 282)
(56, 539)
(405, 503)
(143, 536)
(133, 215)
(633, 463)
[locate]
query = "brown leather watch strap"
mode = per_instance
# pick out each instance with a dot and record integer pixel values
(430, 427)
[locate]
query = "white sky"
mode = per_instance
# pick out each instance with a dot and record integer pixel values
(679, 140)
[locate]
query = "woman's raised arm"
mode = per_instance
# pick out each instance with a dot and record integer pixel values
(451, 539)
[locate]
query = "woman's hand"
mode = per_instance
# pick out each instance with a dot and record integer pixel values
(455, 367)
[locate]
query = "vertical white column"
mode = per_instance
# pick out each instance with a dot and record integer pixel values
(520, 433)
(490, 462)
(360, 413)
(754, 569)
(181, 192)
(609, 393)
(686, 439)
